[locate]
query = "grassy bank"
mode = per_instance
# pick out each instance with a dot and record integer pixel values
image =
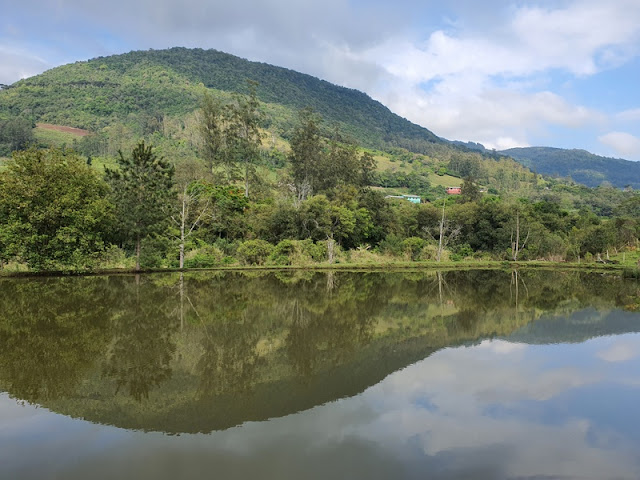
(626, 269)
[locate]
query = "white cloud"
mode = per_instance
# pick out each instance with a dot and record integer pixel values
(632, 115)
(621, 351)
(16, 64)
(624, 144)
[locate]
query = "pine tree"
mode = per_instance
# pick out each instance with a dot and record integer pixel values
(142, 192)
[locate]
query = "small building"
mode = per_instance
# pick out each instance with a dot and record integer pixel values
(454, 190)
(410, 198)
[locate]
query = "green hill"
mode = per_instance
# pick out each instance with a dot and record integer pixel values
(582, 166)
(130, 87)
(123, 98)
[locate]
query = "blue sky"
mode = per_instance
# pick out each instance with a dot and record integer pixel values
(504, 73)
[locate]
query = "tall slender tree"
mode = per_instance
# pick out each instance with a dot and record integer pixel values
(306, 153)
(142, 191)
(243, 133)
(211, 129)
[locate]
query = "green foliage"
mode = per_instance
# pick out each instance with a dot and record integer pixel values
(255, 252)
(142, 191)
(15, 134)
(580, 165)
(206, 256)
(322, 220)
(470, 192)
(282, 252)
(54, 210)
(413, 247)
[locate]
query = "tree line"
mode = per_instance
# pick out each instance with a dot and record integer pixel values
(58, 212)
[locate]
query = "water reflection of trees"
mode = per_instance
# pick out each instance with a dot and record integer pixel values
(51, 330)
(325, 328)
(143, 346)
(228, 333)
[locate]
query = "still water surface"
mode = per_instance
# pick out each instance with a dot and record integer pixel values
(480, 374)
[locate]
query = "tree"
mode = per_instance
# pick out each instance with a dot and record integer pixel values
(142, 191)
(469, 191)
(211, 129)
(15, 134)
(243, 134)
(306, 152)
(54, 210)
(517, 244)
(368, 166)
(231, 135)
(323, 220)
(446, 232)
(194, 201)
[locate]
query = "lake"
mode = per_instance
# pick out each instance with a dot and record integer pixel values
(414, 374)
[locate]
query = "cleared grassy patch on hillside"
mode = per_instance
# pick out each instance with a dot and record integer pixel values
(444, 180)
(57, 135)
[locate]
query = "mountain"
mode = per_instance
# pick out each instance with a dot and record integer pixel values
(582, 166)
(126, 88)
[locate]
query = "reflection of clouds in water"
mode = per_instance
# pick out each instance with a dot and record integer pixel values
(452, 415)
(622, 350)
(437, 416)
(459, 387)
(500, 346)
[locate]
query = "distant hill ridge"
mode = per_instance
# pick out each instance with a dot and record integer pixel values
(582, 166)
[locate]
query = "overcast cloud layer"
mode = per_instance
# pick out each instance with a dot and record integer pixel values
(561, 73)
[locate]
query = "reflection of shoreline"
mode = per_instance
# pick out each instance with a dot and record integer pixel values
(347, 338)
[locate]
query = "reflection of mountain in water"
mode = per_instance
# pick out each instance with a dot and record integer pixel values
(204, 352)
(577, 327)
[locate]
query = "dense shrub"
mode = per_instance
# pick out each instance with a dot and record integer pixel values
(254, 252)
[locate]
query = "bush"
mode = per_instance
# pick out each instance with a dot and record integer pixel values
(413, 246)
(460, 252)
(315, 251)
(254, 252)
(204, 257)
(153, 251)
(391, 244)
(282, 253)
(115, 257)
(429, 252)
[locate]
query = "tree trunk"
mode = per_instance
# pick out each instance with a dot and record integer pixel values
(330, 248)
(515, 245)
(138, 253)
(182, 222)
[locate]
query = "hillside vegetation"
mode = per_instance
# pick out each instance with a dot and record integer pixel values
(205, 166)
(142, 84)
(583, 167)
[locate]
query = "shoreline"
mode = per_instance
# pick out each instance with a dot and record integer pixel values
(356, 267)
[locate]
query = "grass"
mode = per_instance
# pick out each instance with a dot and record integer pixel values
(387, 263)
(444, 180)
(54, 138)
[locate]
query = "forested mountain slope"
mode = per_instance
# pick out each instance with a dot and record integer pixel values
(582, 166)
(120, 88)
